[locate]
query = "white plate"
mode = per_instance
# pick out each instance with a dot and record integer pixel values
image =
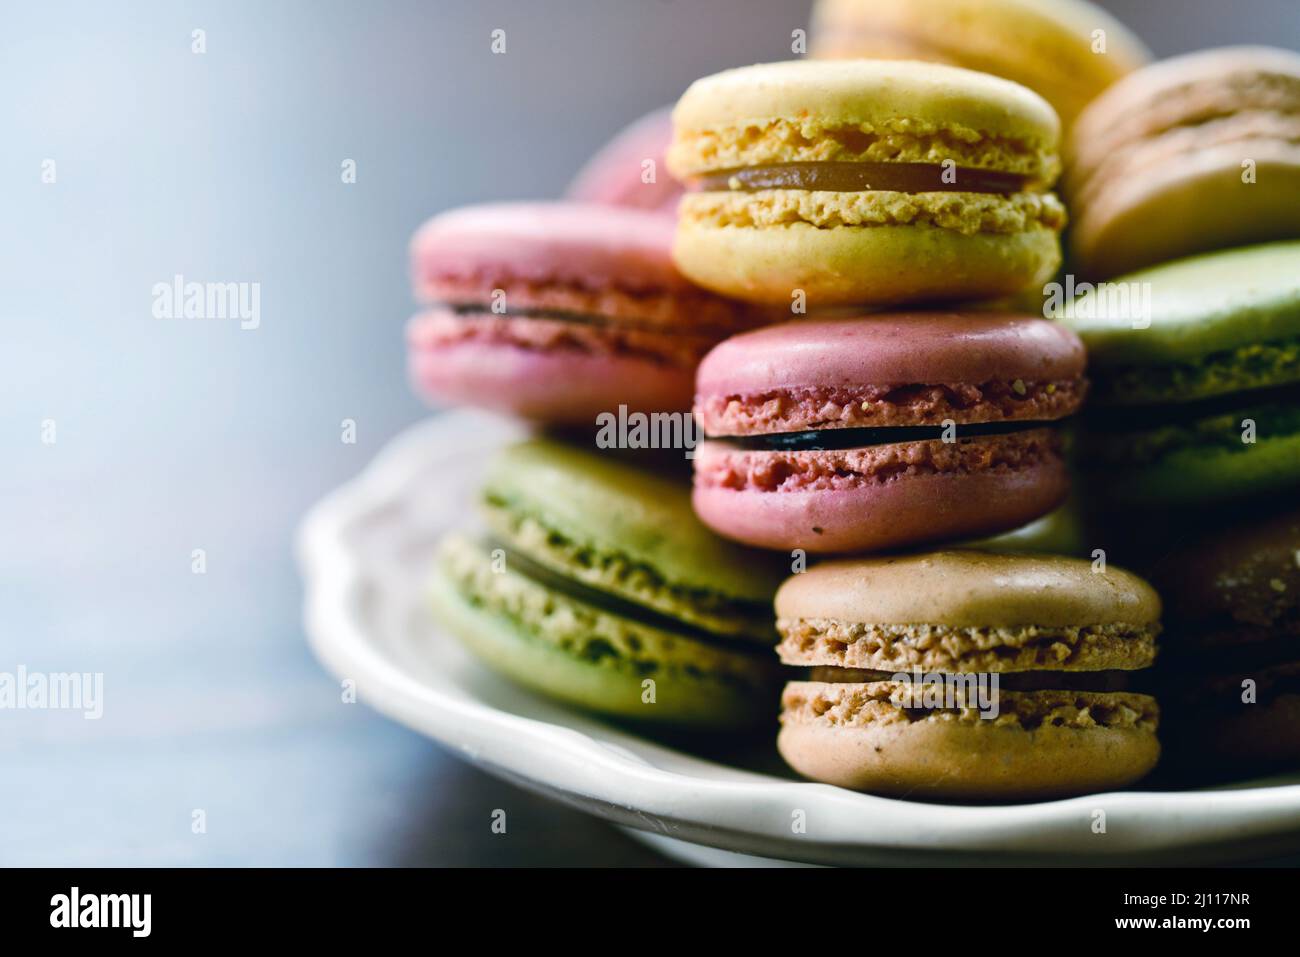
(364, 553)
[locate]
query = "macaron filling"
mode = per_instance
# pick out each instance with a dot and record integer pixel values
(703, 328)
(1247, 367)
(842, 706)
(1254, 365)
(610, 603)
(854, 177)
(1094, 681)
(850, 438)
(632, 588)
(1222, 688)
(965, 213)
(1159, 433)
(680, 312)
(480, 310)
(1233, 659)
(554, 334)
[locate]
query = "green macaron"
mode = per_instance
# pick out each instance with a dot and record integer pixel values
(1196, 378)
(595, 584)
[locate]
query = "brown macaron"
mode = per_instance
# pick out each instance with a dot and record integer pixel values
(1232, 672)
(968, 675)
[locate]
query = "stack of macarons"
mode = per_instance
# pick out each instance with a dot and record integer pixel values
(1190, 465)
(842, 282)
(1182, 181)
(844, 188)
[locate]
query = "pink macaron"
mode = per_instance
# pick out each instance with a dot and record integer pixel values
(629, 170)
(871, 433)
(557, 312)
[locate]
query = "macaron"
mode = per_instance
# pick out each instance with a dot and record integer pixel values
(596, 585)
(1232, 664)
(1196, 378)
(868, 433)
(557, 312)
(1038, 653)
(1067, 51)
(1191, 154)
(630, 170)
(865, 182)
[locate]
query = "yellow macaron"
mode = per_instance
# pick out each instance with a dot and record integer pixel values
(865, 182)
(1066, 50)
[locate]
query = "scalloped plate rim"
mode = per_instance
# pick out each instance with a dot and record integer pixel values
(748, 816)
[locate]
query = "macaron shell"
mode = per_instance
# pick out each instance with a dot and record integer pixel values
(864, 265)
(922, 97)
(526, 296)
(693, 684)
(1198, 306)
(906, 509)
(852, 736)
(524, 382)
(1209, 743)
(1196, 204)
(969, 588)
(1159, 162)
(617, 174)
(1247, 576)
(893, 349)
(1047, 46)
(608, 508)
(1205, 473)
(501, 245)
(1194, 89)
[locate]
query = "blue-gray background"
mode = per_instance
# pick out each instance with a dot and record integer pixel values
(176, 435)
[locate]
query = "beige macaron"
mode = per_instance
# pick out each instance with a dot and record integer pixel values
(1043, 647)
(1190, 154)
